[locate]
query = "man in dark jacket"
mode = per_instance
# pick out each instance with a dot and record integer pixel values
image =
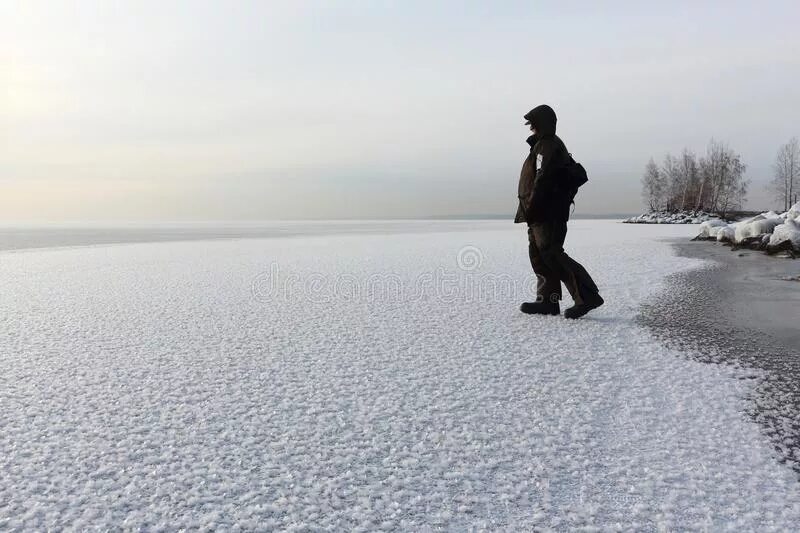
(544, 203)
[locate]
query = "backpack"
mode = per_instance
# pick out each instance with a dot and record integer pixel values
(575, 177)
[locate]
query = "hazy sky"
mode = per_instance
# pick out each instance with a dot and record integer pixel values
(254, 110)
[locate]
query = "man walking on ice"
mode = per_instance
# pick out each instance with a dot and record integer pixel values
(546, 189)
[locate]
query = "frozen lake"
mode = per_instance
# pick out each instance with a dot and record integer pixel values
(376, 379)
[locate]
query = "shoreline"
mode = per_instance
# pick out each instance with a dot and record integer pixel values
(740, 310)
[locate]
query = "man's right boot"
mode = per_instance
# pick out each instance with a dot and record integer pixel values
(577, 311)
(540, 308)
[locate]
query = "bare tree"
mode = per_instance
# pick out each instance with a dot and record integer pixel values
(672, 172)
(654, 186)
(708, 173)
(689, 177)
(712, 168)
(731, 189)
(714, 182)
(724, 174)
(786, 169)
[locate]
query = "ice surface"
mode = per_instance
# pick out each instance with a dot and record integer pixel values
(275, 384)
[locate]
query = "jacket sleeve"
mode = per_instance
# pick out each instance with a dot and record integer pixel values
(547, 167)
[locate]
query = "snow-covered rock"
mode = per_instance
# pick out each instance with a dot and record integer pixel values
(794, 211)
(710, 228)
(756, 226)
(777, 231)
(726, 234)
(788, 231)
(663, 217)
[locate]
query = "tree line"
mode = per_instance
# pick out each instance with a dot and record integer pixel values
(715, 181)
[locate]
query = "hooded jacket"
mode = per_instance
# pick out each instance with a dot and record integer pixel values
(541, 199)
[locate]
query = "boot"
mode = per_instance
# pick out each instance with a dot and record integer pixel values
(577, 311)
(540, 308)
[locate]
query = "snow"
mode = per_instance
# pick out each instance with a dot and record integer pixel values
(273, 384)
(755, 226)
(710, 228)
(794, 211)
(788, 231)
(726, 234)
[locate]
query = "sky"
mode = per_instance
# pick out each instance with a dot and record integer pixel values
(198, 110)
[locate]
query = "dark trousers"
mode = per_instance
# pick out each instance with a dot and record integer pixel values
(553, 266)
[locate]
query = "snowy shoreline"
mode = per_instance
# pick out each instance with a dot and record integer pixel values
(770, 232)
(664, 217)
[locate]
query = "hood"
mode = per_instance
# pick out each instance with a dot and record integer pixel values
(543, 118)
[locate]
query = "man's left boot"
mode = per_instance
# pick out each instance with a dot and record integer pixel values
(577, 311)
(540, 308)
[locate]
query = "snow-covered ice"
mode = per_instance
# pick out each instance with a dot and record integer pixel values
(365, 382)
